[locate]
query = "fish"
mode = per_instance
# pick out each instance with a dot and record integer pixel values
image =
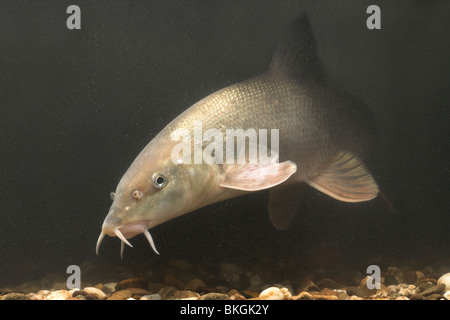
(324, 138)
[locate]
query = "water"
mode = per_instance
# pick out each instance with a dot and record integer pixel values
(77, 107)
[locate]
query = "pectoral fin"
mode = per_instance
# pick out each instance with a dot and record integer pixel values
(284, 204)
(254, 177)
(346, 179)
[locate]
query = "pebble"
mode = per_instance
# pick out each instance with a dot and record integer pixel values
(151, 297)
(407, 290)
(214, 296)
(194, 285)
(15, 296)
(303, 296)
(132, 283)
(437, 289)
(120, 295)
(183, 294)
(109, 288)
(447, 295)
(95, 292)
(445, 279)
(275, 293)
(168, 293)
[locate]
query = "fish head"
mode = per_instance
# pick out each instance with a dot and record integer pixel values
(154, 190)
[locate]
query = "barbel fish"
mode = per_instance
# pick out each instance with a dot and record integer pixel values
(324, 137)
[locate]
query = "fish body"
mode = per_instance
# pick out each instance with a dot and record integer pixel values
(323, 137)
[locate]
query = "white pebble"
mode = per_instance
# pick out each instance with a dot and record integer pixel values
(274, 293)
(446, 280)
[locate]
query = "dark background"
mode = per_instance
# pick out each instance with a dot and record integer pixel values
(77, 106)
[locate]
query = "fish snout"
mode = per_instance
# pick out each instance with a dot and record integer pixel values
(113, 226)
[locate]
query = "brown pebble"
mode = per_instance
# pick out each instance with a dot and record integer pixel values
(120, 295)
(434, 296)
(132, 283)
(194, 285)
(237, 296)
(94, 292)
(328, 283)
(324, 297)
(168, 292)
(437, 289)
(214, 296)
(303, 296)
(356, 291)
(138, 291)
(328, 292)
(425, 280)
(183, 294)
(99, 286)
(416, 297)
(15, 296)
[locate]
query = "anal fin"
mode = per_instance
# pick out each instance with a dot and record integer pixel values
(346, 178)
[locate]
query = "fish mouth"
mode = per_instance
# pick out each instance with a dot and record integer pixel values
(124, 232)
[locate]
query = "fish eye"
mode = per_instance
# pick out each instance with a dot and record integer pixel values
(159, 180)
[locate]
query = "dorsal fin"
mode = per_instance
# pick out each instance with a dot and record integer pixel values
(296, 55)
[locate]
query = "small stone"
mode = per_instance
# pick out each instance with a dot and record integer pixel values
(434, 296)
(183, 294)
(120, 295)
(303, 296)
(151, 297)
(328, 292)
(393, 276)
(168, 293)
(425, 286)
(447, 295)
(324, 297)
(95, 292)
(437, 289)
(381, 294)
(99, 286)
(419, 275)
(214, 296)
(138, 292)
(357, 291)
(132, 283)
(274, 293)
(235, 295)
(194, 285)
(15, 296)
(407, 290)
(416, 297)
(59, 295)
(355, 298)
(445, 279)
(109, 288)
